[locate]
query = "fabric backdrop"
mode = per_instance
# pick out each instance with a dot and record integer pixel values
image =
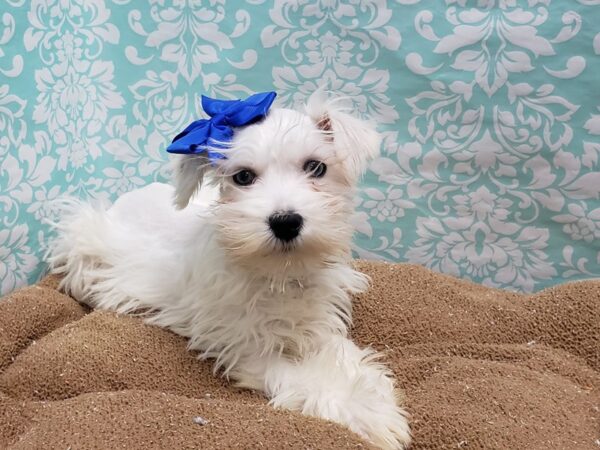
(490, 111)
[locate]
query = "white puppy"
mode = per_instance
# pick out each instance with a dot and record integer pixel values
(255, 270)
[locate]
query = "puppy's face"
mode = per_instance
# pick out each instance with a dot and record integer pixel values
(286, 188)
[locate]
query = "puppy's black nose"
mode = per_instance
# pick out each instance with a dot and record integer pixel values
(286, 226)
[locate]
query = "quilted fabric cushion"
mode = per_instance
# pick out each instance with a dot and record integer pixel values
(480, 368)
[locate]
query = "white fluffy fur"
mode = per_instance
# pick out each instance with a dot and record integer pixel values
(273, 317)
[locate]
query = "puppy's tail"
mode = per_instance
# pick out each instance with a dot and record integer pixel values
(80, 247)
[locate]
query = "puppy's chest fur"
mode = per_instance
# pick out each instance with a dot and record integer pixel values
(258, 316)
(296, 318)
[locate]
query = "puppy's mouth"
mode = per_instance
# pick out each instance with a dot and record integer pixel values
(286, 247)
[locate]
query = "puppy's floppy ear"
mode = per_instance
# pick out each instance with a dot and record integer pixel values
(188, 175)
(356, 141)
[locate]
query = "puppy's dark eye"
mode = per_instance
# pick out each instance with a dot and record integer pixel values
(244, 177)
(314, 168)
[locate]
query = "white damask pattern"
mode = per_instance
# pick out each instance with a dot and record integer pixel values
(336, 44)
(490, 166)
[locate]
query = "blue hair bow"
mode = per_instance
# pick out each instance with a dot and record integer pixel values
(206, 136)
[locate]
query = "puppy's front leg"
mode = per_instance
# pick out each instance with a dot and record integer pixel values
(338, 382)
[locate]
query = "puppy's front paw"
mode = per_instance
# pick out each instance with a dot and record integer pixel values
(379, 420)
(372, 404)
(344, 384)
(367, 405)
(388, 429)
(395, 433)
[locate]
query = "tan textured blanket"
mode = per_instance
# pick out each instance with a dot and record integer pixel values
(480, 368)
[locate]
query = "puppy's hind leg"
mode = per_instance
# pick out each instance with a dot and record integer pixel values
(78, 250)
(339, 382)
(87, 252)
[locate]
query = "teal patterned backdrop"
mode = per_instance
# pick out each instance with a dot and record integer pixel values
(490, 111)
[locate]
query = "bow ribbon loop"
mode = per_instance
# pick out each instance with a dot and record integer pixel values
(206, 136)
